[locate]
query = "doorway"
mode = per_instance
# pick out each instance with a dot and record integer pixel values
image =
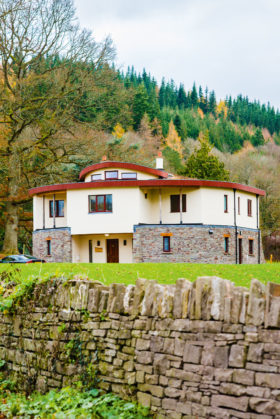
(112, 250)
(240, 251)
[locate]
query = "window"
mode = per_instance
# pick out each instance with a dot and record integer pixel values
(129, 175)
(111, 174)
(166, 243)
(100, 203)
(124, 242)
(226, 244)
(97, 176)
(98, 243)
(251, 246)
(238, 205)
(49, 247)
(175, 203)
(249, 207)
(225, 203)
(59, 208)
(146, 196)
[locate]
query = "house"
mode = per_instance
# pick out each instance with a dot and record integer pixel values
(124, 212)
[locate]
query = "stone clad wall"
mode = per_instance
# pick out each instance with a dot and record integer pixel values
(205, 349)
(192, 244)
(61, 244)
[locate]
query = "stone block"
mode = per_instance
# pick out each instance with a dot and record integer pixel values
(144, 399)
(237, 357)
(272, 312)
(192, 354)
(244, 377)
(256, 303)
(179, 346)
(269, 407)
(143, 344)
(255, 352)
(172, 392)
(169, 404)
(269, 380)
(181, 298)
(157, 343)
(237, 403)
(154, 390)
(144, 357)
(221, 357)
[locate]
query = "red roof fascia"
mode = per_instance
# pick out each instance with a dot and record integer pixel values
(122, 165)
(146, 183)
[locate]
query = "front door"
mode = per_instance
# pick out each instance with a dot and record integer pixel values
(112, 250)
(240, 250)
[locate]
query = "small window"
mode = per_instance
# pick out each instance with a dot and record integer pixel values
(59, 208)
(249, 207)
(97, 176)
(100, 203)
(251, 246)
(111, 174)
(226, 244)
(49, 247)
(98, 243)
(146, 196)
(175, 203)
(124, 242)
(238, 205)
(129, 175)
(225, 203)
(166, 243)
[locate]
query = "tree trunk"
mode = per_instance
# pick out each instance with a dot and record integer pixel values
(10, 245)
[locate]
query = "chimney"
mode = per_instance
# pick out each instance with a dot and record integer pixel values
(104, 158)
(159, 161)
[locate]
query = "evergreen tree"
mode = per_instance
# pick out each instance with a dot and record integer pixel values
(181, 97)
(140, 105)
(194, 96)
(257, 139)
(203, 165)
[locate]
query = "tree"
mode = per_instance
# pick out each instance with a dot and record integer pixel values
(173, 140)
(203, 165)
(47, 65)
(118, 131)
(140, 105)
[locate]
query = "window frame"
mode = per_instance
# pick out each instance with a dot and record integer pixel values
(163, 244)
(129, 178)
(178, 208)
(49, 247)
(56, 208)
(96, 206)
(251, 247)
(225, 203)
(111, 171)
(249, 207)
(95, 174)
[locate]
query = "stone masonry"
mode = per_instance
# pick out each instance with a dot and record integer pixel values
(205, 349)
(61, 244)
(193, 244)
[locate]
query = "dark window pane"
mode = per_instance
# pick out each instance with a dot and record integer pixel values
(166, 244)
(60, 208)
(184, 203)
(51, 208)
(100, 202)
(109, 203)
(175, 203)
(92, 203)
(225, 203)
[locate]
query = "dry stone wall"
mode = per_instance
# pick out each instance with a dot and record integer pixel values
(205, 349)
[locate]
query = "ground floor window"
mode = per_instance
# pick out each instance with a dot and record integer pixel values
(251, 246)
(226, 244)
(49, 247)
(100, 203)
(166, 244)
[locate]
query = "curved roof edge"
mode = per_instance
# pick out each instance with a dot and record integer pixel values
(131, 166)
(146, 183)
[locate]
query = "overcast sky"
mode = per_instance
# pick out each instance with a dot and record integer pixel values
(231, 46)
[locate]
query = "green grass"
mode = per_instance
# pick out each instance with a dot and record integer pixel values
(164, 273)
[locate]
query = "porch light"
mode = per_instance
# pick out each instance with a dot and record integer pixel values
(106, 234)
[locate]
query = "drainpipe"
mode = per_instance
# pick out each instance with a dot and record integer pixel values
(53, 210)
(259, 232)
(181, 207)
(160, 208)
(44, 223)
(235, 225)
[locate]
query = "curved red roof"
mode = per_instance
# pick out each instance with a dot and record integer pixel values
(122, 165)
(146, 183)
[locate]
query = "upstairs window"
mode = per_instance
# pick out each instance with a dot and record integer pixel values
(225, 203)
(249, 207)
(129, 175)
(59, 208)
(97, 176)
(175, 203)
(100, 203)
(111, 174)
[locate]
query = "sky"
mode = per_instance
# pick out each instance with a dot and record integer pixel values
(230, 46)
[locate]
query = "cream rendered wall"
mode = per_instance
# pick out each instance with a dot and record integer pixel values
(38, 211)
(140, 175)
(125, 211)
(80, 248)
(243, 220)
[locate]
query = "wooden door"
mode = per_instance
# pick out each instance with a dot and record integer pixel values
(112, 250)
(240, 251)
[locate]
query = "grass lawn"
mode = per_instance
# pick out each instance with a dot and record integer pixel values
(163, 272)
